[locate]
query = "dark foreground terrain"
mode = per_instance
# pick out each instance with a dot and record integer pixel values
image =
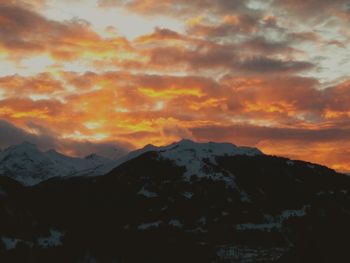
(248, 209)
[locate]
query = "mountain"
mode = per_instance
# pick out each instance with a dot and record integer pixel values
(186, 202)
(191, 154)
(28, 165)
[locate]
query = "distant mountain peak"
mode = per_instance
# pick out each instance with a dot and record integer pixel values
(97, 158)
(210, 148)
(53, 152)
(194, 155)
(23, 146)
(29, 165)
(27, 144)
(92, 156)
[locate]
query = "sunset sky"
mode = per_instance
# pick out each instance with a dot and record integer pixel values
(93, 75)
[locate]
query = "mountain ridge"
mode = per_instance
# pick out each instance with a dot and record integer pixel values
(242, 208)
(27, 164)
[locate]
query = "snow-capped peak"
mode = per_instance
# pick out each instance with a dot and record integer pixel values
(192, 155)
(206, 150)
(187, 149)
(29, 165)
(24, 152)
(25, 147)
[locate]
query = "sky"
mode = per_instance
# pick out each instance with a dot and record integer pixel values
(109, 76)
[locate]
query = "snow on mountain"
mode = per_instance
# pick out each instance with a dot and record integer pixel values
(194, 156)
(28, 165)
(198, 202)
(198, 159)
(207, 150)
(187, 152)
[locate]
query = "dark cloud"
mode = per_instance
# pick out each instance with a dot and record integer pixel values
(107, 149)
(265, 46)
(271, 65)
(313, 8)
(177, 7)
(25, 32)
(10, 135)
(229, 57)
(231, 25)
(297, 37)
(45, 140)
(254, 134)
(261, 47)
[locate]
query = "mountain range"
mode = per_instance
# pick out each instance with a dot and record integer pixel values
(185, 202)
(28, 165)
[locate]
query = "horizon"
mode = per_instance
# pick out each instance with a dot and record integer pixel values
(93, 76)
(124, 154)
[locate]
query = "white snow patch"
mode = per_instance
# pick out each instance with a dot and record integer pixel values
(188, 195)
(53, 240)
(29, 165)
(292, 213)
(147, 193)
(264, 227)
(145, 226)
(290, 163)
(197, 230)
(164, 208)
(175, 223)
(244, 196)
(10, 243)
(273, 223)
(247, 254)
(192, 156)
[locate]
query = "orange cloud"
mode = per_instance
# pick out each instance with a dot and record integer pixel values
(24, 32)
(255, 111)
(258, 111)
(184, 7)
(19, 86)
(234, 73)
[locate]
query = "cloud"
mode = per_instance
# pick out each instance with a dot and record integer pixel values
(41, 84)
(254, 134)
(325, 146)
(25, 32)
(12, 135)
(235, 70)
(271, 65)
(262, 45)
(310, 8)
(229, 25)
(157, 108)
(194, 55)
(178, 7)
